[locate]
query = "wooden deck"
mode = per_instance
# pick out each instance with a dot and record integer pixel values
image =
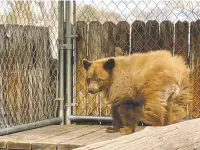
(180, 136)
(57, 137)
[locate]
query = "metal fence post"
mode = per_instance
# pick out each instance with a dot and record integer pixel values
(69, 59)
(74, 57)
(61, 59)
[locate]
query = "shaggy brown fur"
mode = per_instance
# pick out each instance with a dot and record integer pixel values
(161, 80)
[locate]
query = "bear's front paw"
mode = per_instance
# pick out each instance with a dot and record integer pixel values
(112, 130)
(126, 131)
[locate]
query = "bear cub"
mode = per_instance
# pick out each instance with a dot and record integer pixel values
(152, 87)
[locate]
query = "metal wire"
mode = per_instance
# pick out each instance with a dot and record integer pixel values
(104, 28)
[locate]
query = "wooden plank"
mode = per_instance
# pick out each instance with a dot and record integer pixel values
(138, 36)
(168, 140)
(81, 53)
(89, 139)
(41, 85)
(120, 140)
(181, 39)
(175, 136)
(95, 40)
(152, 35)
(28, 134)
(4, 119)
(14, 79)
(194, 108)
(43, 60)
(3, 142)
(25, 140)
(166, 35)
(110, 136)
(95, 137)
(123, 33)
(69, 136)
(40, 73)
(30, 57)
(109, 33)
(94, 52)
(27, 47)
(48, 146)
(174, 139)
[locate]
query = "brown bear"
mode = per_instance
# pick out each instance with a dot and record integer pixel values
(152, 87)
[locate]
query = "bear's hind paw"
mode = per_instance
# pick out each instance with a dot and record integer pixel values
(112, 130)
(126, 131)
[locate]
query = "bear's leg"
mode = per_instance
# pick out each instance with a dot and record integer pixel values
(175, 113)
(130, 113)
(128, 130)
(117, 123)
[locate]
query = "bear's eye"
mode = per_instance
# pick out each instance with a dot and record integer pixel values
(98, 79)
(88, 80)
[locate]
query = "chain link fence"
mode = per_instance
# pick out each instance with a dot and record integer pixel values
(28, 58)
(112, 27)
(104, 28)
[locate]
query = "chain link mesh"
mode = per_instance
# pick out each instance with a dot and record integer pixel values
(28, 56)
(112, 27)
(28, 50)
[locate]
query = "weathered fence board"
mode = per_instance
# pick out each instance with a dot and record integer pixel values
(4, 118)
(181, 39)
(27, 85)
(195, 66)
(152, 35)
(109, 33)
(95, 40)
(30, 58)
(81, 53)
(166, 35)
(14, 84)
(94, 52)
(123, 29)
(138, 36)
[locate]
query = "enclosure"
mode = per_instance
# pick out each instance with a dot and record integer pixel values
(42, 81)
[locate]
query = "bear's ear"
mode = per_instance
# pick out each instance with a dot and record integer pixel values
(109, 64)
(86, 63)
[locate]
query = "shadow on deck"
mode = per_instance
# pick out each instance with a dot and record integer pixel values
(57, 137)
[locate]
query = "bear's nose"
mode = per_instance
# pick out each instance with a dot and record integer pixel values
(92, 91)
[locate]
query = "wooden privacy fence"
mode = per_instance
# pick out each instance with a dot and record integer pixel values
(27, 86)
(96, 40)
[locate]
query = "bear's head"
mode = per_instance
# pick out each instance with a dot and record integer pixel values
(98, 74)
